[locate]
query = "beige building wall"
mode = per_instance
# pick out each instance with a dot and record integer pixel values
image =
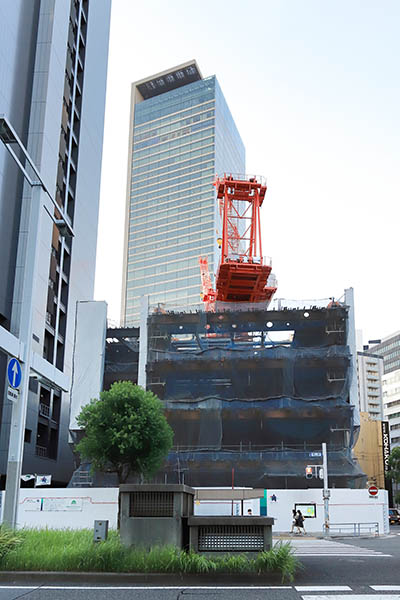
(368, 450)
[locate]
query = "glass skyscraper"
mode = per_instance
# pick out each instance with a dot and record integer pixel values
(181, 135)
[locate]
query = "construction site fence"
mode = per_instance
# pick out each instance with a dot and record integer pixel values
(314, 450)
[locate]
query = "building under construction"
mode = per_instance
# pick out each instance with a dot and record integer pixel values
(250, 392)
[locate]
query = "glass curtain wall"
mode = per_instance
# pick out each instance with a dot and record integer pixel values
(180, 139)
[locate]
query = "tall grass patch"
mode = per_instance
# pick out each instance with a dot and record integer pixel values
(74, 550)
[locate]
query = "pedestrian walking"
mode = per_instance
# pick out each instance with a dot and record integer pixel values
(300, 522)
(294, 521)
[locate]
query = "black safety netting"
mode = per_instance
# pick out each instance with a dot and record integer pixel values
(256, 391)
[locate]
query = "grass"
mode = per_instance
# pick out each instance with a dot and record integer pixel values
(74, 550)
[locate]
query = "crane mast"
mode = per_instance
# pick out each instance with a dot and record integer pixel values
(243, 272)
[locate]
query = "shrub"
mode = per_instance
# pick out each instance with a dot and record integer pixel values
(280, 559)
(9, 540)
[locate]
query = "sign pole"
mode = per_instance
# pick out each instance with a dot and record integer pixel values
(326, 493)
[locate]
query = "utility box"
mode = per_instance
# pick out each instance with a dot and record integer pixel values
(100, 531)
(155, 515)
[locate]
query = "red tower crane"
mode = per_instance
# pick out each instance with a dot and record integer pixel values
(242, 273)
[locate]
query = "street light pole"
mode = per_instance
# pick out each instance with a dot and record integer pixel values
(326, 493)
(19, 408)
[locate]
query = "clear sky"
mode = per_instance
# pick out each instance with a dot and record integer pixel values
(313, 86)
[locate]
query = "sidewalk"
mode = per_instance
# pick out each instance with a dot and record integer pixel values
(287, 536)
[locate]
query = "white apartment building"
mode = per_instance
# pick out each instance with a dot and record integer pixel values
(370, 373)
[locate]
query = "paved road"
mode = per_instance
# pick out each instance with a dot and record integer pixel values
(318, 592)
(356, 569)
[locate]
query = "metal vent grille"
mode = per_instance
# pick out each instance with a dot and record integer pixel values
(151, 504)
(232, 538)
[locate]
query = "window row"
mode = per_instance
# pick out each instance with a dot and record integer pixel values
(151, 276)
(169, 225)
(176, 184)
(153, 220)
(172, 174)
(185, 139)
(392, 364)
(176, 167)
(201, 200)
(176, 154)
(150, 125)
(177, 95)
(168, 233)
(159, 106)
(170, 156)
(163, 255)
(385, 347)
(164, 286)
(174, 125)
(173, 135)
(178, 159)
(188, 242)
(196, 239)
(197, 187)
(187, 297)
(165, 259)
(182, 264)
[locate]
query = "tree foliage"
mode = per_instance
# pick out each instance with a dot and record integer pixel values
(126, 431)
(394, 465)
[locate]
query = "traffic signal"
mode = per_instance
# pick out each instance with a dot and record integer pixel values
(309, 472)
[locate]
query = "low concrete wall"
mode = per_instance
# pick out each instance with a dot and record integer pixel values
(345, 506)
(58, 508)
(53, 507)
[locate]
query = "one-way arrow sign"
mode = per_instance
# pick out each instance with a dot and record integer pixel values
(14, 373)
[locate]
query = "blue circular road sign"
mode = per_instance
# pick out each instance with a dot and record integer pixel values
(14, 373)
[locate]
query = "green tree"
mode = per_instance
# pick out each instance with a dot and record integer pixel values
(394, 471)
(394, 465)
(126, 431)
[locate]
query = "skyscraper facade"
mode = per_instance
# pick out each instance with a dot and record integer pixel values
(53, 66)
(181, 134)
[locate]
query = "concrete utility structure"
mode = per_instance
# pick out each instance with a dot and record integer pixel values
(53, 73)
(155, 515)
(181, 134)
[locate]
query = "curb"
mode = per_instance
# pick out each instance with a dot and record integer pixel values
(172, 579)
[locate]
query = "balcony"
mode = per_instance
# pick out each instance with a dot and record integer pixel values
(41, 451)
(44, 410)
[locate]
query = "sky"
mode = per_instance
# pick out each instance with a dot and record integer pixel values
(314, 89)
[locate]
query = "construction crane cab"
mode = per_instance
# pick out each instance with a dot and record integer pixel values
(243, 272)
